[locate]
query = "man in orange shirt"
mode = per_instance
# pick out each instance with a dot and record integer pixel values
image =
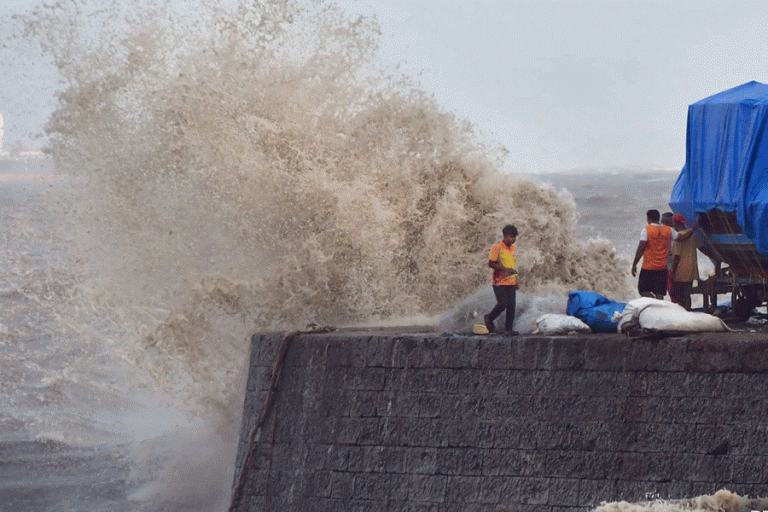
(502, 260)
(654, 245)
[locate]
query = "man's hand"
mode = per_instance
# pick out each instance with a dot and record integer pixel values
(634, 270)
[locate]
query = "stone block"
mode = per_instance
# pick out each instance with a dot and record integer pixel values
(372, 486)
(434, 352)
(555, 408)
(421, 461)
(587, 409)
(342, 485)
(319, 484)
(594, 383)
(422, 432)
(494, 353)
(358, 431)
(566, 490)
(639, 466)
(427, 488)
(460, 461)
(365, 379)
(659, 355)
(466, 405)
(463, 489)
(525, 491)
(404, 404)
(606, 353)
(411, 506)
(457, 353)
(431, 405)
(406, 353)
(553, 383)
(529, 352)
(748, 469)
(492, 383)
(724, 439)
(563, 353)
(423, 380)
(462, 432)
(380, 351)
(705, 468)
(754, 437)
(338, 353)
(366, 505)
(511, 462)
(709, 354)
(358, 352)
(581, 465)
(378, 459)
(337, 458)
(365, 404)
(682, 384)
(552, 435)
(593, 491)
(458, 382)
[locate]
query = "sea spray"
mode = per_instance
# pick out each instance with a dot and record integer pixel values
(721, 501)
(254, 166)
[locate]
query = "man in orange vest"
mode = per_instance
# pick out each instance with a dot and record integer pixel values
(655, 240)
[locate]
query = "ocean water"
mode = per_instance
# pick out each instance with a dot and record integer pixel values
(252, 166)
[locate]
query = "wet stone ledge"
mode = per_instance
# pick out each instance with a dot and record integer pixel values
(401, 420)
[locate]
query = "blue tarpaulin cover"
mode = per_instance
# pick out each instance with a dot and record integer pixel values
(726, 160)
(594, 310)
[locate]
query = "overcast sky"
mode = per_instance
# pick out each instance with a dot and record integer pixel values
(570, 85)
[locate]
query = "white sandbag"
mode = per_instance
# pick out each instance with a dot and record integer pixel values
(661, 315)
(553, 324)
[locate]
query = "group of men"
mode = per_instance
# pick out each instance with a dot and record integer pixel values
(668, 249)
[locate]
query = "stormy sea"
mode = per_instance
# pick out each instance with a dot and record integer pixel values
(252, 167)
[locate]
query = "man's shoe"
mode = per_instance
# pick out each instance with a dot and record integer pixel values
(512, 333)
(489, 324)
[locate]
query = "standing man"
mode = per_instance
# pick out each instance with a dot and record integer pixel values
(666, 219)
(653, 247)
(502, 260)
(685, 265)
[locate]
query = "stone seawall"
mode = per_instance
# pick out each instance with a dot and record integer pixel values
(408, 421)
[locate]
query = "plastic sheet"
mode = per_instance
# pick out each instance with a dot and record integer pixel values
(594, 310)
(726, 160)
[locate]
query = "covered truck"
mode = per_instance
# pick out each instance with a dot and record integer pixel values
(724, 184)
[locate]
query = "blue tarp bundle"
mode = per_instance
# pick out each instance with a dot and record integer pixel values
(726, 160)
(594, 310)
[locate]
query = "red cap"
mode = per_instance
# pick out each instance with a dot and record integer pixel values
(679, 217)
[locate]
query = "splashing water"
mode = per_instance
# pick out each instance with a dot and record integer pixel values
(253, 166)
(722, 501)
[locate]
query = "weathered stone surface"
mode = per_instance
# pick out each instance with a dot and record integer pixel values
(415, 421)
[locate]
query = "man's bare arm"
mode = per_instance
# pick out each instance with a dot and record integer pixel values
(638, 254)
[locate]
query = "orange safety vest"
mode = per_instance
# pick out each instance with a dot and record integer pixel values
(655, 255)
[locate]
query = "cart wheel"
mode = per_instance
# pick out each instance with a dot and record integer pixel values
(744, 299)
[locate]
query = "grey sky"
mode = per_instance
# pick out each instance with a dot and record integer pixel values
(569, 85)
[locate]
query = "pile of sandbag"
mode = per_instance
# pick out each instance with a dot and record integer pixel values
(553, 324)
(660, 315)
